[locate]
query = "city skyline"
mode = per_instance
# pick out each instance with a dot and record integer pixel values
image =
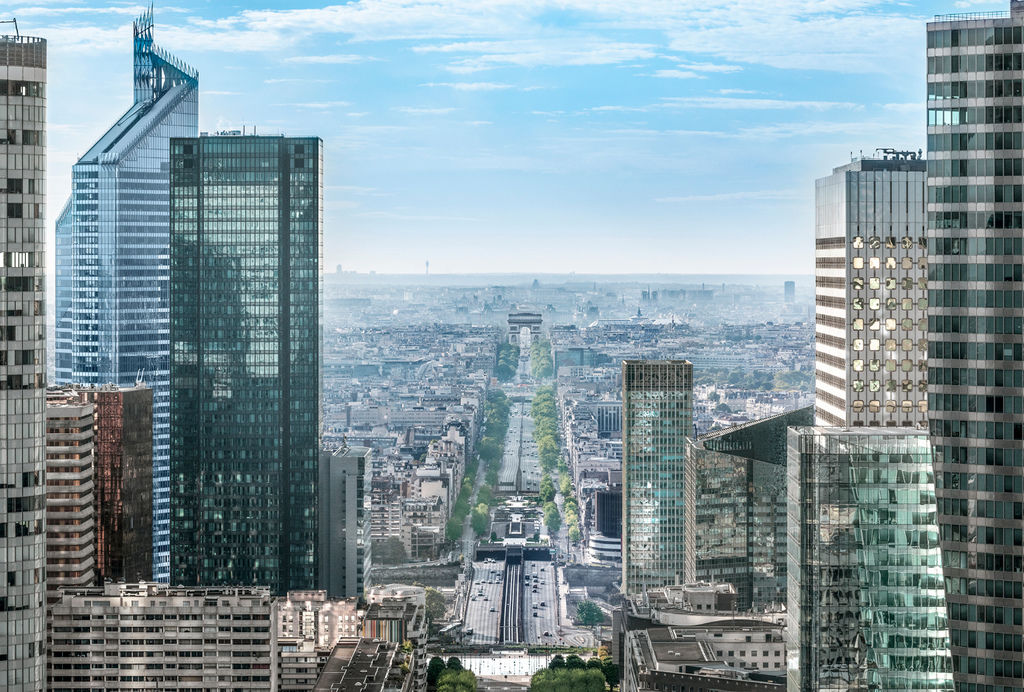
(539, 127)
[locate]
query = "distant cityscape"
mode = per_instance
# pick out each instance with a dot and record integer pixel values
(226, 468)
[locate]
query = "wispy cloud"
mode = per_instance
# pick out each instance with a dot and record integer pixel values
(471, 86)
(338, 59)
(319, 105)
(752, 195)
(565, 51)
(296, 80)
(417, 110)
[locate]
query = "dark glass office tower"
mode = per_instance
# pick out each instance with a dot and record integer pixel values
(975, 324)
(111, 259)
(22, 363)
(246, 264)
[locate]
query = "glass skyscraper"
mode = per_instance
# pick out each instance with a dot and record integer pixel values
(22, 363)
(658, 498)
(112, 244)
(246, 265)
(866, 600)
(741, 507)
(975, 324)
(871, 275)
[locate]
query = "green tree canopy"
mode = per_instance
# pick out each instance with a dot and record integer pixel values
(588, 613)
(435, 604)
(560, 680)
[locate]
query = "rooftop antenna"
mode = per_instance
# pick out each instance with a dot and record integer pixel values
(15, 23)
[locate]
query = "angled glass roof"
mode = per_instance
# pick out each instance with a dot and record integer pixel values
(157, 75)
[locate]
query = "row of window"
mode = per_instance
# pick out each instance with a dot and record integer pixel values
(963, 168)
(975, 377)
(975, 403)
(977, 430)
(890, 386)
(19, 87)
(875, 323)
(963, 324)
(979, 456)
(19, 186)
(976, 88)
(981, 36)
(976, 665)
(973, 350)
(975, 272)
(990, 509)
(974, 141)
(24, 210)
(975, 299)
(982, 115)
(977, 246)
(990, 194)
(979, 62)
(992, 641)
(983, 535)
(25, 137)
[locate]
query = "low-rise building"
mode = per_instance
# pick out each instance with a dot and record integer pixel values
(311, 616)
(398, 613)
(365, 665)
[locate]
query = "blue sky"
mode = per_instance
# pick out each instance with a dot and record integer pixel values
(607, 136)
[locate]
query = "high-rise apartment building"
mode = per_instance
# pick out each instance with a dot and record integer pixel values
(22, 363)
(789, 292)
(70, 503)
(179, 639)
(123, 480)
(246, 256)
(112, 245)
(871, 277)
(344, 526)
(975, 323)
(658, 493)
(867, 607)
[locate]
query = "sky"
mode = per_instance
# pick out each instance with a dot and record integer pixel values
(591, 136)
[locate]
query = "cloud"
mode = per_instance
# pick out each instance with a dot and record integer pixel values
(678, 74)
(211, 92)
(471, 86)
(297, 80)
(415, 110)
(750, 195)
(346, 59)
(485, 55)
(729, 103)
(395, 216)
(318, 105)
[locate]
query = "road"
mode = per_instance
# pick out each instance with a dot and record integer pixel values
(540, 602)
(485, 599)
(511, 629)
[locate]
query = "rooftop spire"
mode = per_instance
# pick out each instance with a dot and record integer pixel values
(156, 72)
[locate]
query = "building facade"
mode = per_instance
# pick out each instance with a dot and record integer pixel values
(658, 486)
(70, 496)
(871, 294)
(975, 321)
(344, 532)
(398, 613)
(123, 480)
(111, 258)
(192, 639)
(741, 507)
(867, 606)
(23, 362)
(246, 264)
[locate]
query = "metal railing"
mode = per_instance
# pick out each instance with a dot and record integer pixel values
(963, 16)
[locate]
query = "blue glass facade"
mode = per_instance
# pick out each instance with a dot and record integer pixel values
(246, 257)
(112, 298)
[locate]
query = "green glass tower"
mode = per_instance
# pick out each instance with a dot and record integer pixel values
(867, 608)
(246, 266)
(658, 485)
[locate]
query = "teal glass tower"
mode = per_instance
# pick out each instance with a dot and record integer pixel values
(658, 485)
(867, 608)
(246, 270)
(111, 252)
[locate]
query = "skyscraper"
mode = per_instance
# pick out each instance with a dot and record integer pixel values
(866, 601)
(22, 363)
(112, 244)
(344, 549)
(658, 498)
(871, 278)
(741, 507)
(975, 323)
(246, 262)
(789, 292)
(70, 503)
(123, 480)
